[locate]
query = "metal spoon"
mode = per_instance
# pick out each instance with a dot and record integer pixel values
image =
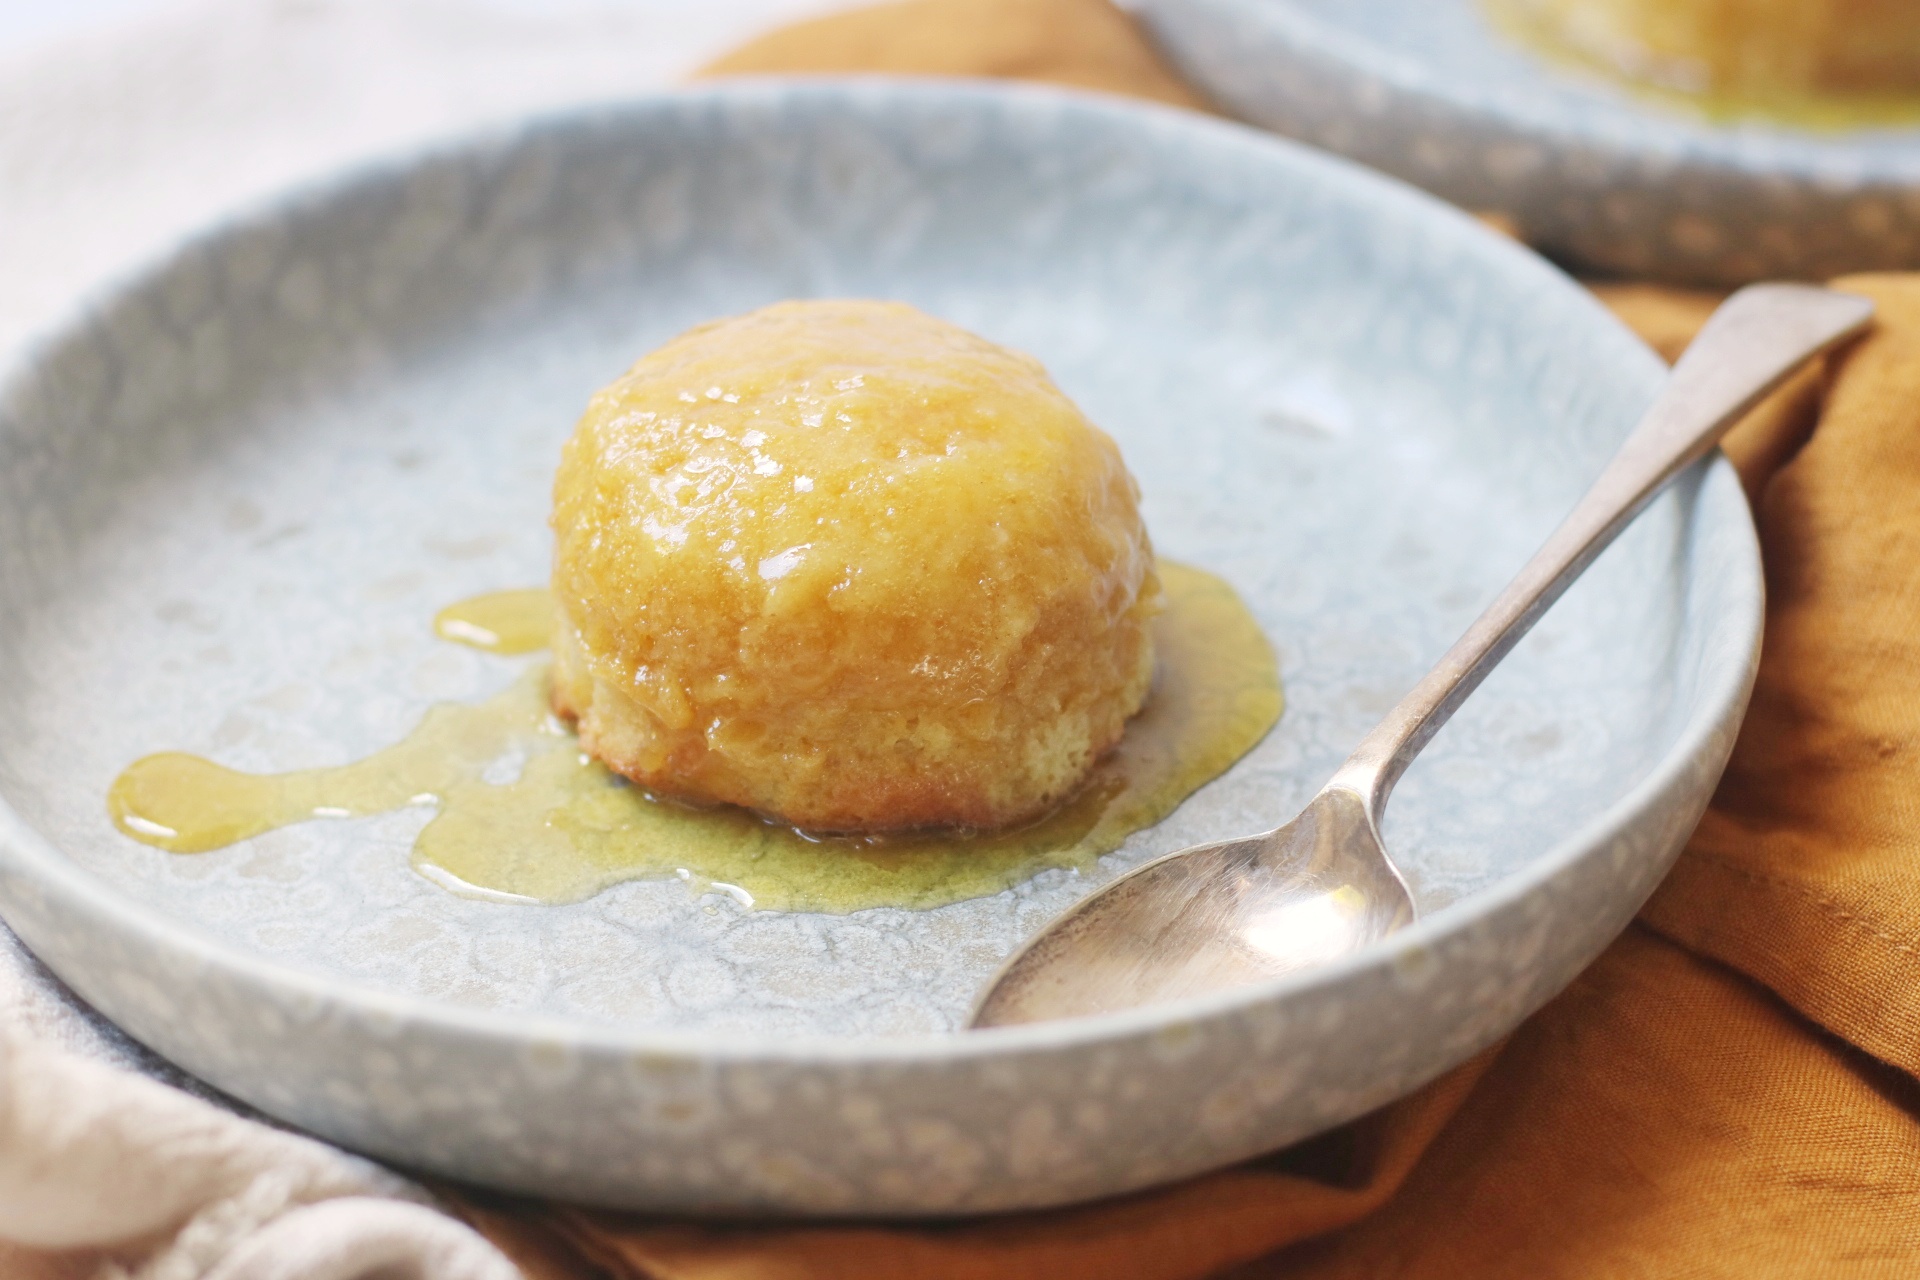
(1242, 911)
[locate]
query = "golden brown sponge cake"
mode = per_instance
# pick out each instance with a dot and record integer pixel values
(852, 567)
(1748, 48)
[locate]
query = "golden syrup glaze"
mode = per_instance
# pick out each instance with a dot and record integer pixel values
(567, 828)
(844, 562)
(503, 622)
(1830, 111)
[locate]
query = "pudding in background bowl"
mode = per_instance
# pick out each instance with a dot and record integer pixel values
(1831, 62)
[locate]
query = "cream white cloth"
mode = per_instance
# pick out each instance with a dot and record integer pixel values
(97, 1153)
(114, 142)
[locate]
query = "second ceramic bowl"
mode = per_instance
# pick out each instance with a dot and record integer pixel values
(1590, 171)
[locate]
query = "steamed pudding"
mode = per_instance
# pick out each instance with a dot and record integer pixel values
(852, 567)
(1757, 50)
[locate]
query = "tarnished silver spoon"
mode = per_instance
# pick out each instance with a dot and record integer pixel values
(1243, 911)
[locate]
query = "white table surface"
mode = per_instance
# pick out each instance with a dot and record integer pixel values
(125, 123)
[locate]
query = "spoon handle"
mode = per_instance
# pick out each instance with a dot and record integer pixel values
(1751, 344)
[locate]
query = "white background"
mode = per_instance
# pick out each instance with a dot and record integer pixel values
(125, 124)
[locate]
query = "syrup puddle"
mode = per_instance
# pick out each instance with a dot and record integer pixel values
(564, 827)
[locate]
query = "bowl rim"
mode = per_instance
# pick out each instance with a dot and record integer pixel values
(1605, 118)
(26, 854)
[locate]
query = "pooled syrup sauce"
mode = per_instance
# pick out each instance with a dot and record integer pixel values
(566, 827)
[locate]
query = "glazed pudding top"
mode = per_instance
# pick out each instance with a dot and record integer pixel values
(851, 566)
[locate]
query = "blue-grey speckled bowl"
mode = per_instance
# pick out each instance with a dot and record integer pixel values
(1429, 91)
(234, 491)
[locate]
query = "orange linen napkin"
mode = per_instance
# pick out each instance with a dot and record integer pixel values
(1728, 1092)
(1087, 44)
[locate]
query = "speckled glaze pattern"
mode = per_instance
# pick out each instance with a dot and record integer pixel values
(1428, 91)
(235, 489)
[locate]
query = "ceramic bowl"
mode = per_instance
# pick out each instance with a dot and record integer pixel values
(1591, 172)
(234, 490)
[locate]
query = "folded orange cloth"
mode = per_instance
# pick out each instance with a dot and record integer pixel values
(1726, 1092)
(1087, 44)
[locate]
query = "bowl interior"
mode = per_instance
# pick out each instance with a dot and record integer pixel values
(232, 498)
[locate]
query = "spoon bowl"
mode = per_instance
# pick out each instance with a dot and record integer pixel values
(1212, 917)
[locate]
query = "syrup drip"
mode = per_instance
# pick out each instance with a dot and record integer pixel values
(503, 622)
